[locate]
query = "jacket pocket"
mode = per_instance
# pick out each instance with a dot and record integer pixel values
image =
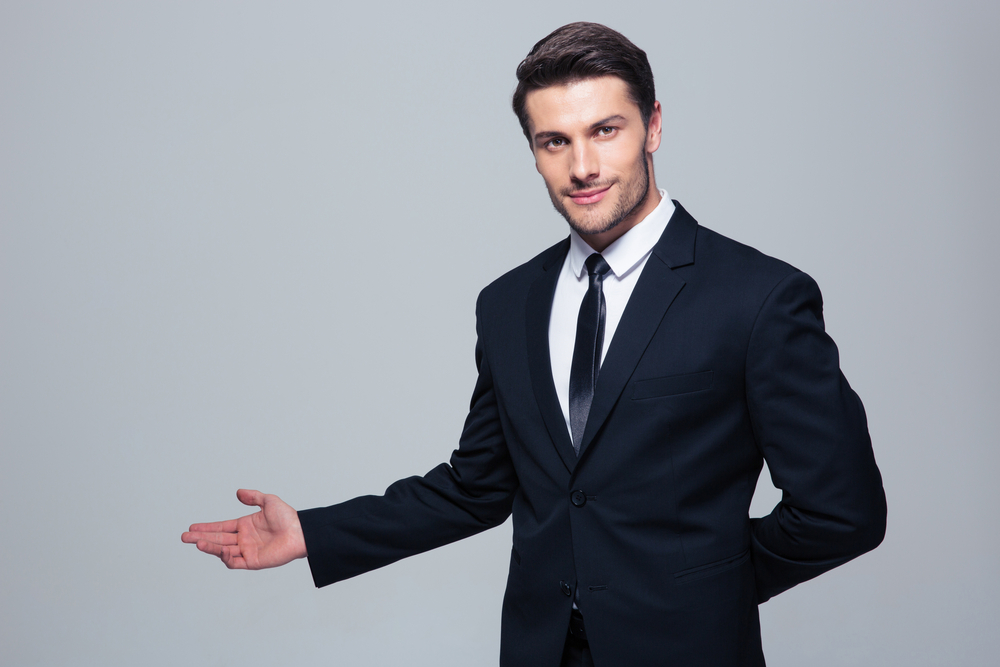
(711, 569)
(672, 385)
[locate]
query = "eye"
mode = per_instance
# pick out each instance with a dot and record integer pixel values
(606, 131)
(556, 142)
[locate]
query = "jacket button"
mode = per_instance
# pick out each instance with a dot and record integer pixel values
(579, 498)
(564, 587)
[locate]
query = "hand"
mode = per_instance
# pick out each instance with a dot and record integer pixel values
(268, 538)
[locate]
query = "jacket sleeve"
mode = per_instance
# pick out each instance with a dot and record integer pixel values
(812, 431)
(473, 492)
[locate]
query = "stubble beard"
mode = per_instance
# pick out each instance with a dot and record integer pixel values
(633, 196)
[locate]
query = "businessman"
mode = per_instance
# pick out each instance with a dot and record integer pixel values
(632, 380)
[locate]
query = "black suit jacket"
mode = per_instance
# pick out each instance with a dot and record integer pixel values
(720, 362)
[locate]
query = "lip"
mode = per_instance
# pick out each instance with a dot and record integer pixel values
(589, 196)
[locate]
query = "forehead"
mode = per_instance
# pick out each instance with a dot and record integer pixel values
(578, 104)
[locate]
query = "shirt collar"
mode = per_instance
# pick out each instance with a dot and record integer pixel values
(630, 248)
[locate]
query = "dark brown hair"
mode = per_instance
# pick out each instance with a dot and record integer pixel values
(584, 51)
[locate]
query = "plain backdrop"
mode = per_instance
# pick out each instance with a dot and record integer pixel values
(241, 243)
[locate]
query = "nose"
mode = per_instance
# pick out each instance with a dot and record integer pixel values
(586, 165)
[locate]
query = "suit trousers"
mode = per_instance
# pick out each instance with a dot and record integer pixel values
(577, 650)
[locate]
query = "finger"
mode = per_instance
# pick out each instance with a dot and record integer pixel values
(230, 556)
(250, 497)
(214, 527)
(211, 548)
(215, 538)
(233, 559)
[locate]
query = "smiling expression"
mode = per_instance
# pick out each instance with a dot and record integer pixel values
(595, 154)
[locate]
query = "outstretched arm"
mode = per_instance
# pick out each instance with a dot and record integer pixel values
(269, 538)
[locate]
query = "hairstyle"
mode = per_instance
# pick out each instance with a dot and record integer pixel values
(584, 51)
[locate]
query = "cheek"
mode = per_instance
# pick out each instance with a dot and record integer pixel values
(620, 158)
(549, 171)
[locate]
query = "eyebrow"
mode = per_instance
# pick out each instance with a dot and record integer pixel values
(617, 118)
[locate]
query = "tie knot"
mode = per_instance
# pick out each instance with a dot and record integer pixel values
(596, 265)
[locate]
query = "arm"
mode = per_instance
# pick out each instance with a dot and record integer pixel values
(812, 431)
(473, 492)
(268, 538)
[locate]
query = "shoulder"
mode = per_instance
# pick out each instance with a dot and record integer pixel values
(735, 261)
(735, 278)
(696, 253)
(512, 287)
(741, 278)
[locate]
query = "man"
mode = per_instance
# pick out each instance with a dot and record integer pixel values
(632, 379)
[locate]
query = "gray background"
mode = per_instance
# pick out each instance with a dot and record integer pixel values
(240, 245)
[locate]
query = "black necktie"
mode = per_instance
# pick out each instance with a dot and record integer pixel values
(587, 351)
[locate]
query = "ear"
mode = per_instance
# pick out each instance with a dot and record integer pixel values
(655, 130)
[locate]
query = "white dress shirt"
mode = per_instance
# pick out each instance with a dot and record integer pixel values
(626, 256)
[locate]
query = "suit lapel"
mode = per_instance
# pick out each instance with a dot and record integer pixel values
(539, 309)
(656, 289)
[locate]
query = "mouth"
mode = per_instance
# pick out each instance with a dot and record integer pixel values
(591, 196)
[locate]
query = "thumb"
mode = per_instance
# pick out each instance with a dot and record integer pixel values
(250, 497)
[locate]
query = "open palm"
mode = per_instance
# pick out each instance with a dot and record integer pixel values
(268, 538)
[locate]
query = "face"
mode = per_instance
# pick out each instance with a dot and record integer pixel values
(595, 155)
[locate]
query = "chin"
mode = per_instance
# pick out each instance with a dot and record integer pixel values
(593, 223)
